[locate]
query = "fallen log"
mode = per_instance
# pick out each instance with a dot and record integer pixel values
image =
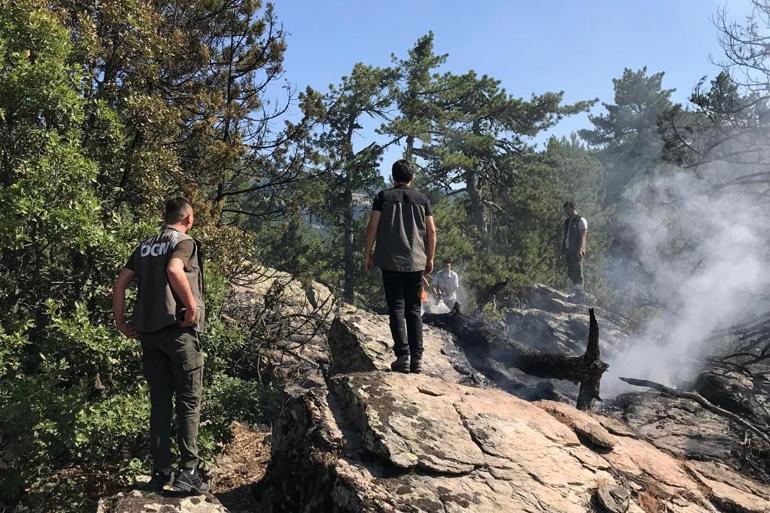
(478, 337)
(694, 396)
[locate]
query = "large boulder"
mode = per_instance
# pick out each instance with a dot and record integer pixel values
(739, 392)
(370, 440)
(386, 442)
(549, 321)
(360, 341)
(288, 319)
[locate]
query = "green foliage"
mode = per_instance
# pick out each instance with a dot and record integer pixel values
(627, 135)
(230, 399)
(79, 180)
(365, 93)
(523, 241)
(482, 139)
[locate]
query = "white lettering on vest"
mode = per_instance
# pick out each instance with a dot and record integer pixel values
(157, 249)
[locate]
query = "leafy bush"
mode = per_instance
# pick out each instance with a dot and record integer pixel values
(74, 407)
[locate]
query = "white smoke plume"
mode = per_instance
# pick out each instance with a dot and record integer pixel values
(704, 249)
(434, 306)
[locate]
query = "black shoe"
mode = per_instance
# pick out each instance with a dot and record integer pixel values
(400, 365)
(415, 366)
(190, 481)
(159, 480)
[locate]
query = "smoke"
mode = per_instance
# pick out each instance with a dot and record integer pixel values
(434, 306)
(701, 257)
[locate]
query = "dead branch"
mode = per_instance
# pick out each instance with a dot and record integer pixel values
(483, 342)
(694, 396)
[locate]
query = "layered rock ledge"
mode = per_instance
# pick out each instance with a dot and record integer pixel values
(370, 440)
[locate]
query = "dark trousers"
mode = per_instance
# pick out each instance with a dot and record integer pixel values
(575, 268)
(402, 293)
(173, 366)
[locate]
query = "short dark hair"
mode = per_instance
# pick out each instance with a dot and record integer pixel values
(402, 171)
(570, 205)
(176, 209)
(447, 260)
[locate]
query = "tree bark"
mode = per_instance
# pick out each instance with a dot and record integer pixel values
(476, 336)
(347, 259)
(476, 203)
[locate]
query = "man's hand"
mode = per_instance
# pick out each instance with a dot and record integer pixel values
(429, 265)
(369, 264)
(127, 330)
(189, 318)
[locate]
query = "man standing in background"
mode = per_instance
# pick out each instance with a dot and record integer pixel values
(401, 241)
(446, 282)
(573, 247)
(168, 317)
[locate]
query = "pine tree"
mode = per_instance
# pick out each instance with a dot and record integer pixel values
(365, 93)
(626, 137)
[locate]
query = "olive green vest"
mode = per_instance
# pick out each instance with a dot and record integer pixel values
(157, 305)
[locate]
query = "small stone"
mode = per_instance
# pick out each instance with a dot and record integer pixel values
(614, 499)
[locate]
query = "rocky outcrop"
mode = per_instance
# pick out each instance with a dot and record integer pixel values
(287, 319)
(353, 437)
(545, 321)
(738, 392)
(375, 441)
(360, 341)
(137, 501)
(549, 321)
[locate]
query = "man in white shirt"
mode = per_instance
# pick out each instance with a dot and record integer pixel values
(445, 285)
(573, 246)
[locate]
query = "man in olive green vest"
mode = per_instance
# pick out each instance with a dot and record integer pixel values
(168, 317)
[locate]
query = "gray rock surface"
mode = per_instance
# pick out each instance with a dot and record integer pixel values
(677, 426)
(360, 341)
(738, 392)
(376, 441)
(547, 320)
(137, 501)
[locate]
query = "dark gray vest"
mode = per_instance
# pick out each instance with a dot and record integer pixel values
(571, 230)
(157, 305)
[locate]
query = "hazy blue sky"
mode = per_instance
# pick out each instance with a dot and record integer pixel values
(577, 46)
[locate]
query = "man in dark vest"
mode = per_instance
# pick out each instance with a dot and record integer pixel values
(573, 246)
(402, 233)
(168, 317)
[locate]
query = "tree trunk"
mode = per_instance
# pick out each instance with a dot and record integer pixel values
(347, 259)
(476, 204)
(487, 341)
(409, 151)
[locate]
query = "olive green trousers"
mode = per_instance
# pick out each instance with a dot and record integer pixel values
(173, 366)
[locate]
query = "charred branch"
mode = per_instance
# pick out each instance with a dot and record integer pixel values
(694, 396)
(477, 336)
